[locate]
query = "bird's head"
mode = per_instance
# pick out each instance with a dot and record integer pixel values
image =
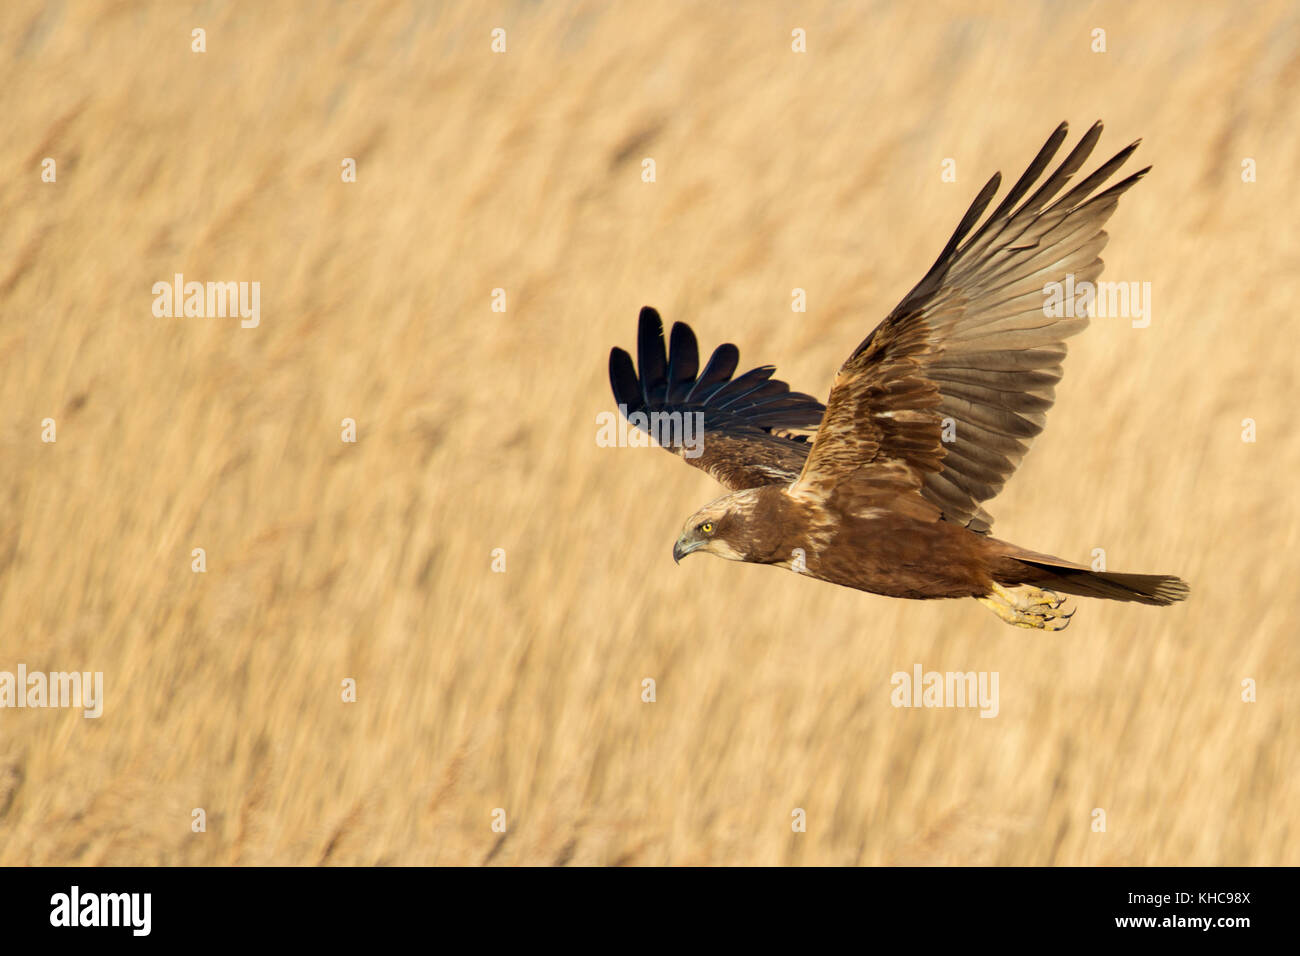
(718, 527)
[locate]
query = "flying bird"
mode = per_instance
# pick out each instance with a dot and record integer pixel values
(882, 488)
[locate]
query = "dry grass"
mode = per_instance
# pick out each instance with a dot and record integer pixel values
(522, 690)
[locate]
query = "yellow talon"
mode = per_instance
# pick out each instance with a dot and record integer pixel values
(1030, 607)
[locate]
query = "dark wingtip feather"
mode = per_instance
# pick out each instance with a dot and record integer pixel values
(721, 366)
(1120, 187)
(683, 361)
(935, 275)
(973, 214)
(742, 385)
(651, 357)
(1027, 178)
(623, 380)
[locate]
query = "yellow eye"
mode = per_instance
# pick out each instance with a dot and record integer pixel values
(707, 527)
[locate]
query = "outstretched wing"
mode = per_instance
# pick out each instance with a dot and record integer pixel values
(972, 344)
(744, 431)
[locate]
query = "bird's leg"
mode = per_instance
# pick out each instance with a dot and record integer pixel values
(1028, 607)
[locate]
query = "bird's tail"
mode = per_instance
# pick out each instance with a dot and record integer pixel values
(1043, 571)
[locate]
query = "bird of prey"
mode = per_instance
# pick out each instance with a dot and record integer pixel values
(925, 421)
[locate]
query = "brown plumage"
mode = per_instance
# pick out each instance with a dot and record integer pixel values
(926, 420)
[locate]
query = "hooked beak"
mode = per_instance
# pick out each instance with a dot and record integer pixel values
(685, 545)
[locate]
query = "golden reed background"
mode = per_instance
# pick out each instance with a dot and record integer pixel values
(477, 431)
